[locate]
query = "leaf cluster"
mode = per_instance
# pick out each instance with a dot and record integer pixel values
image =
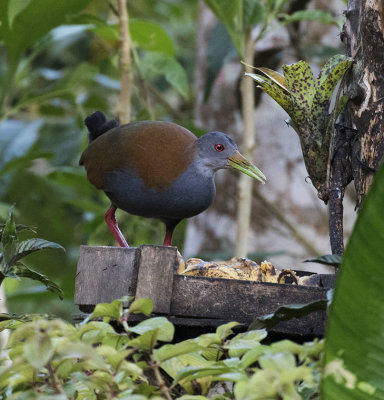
(56, 360)
(12, 251)
(307, 102)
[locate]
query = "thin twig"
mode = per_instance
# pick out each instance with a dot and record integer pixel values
(281, 217)
(54, 380)
(124, 109)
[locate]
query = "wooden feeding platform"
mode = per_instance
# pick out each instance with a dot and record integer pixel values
(108, 273)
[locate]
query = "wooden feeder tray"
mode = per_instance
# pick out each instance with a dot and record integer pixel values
(108, 273)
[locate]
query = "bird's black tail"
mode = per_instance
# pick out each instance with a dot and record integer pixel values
(98, 124)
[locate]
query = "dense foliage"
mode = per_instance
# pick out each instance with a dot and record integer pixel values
(52, 359)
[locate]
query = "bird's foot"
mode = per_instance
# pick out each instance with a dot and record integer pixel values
(111, 221)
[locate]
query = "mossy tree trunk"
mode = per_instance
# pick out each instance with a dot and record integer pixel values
(363, 36)
(359, 142)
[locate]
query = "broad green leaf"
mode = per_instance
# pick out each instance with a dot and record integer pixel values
(230, 13)
(253, 13)
(108, 310)
(64, 368)
(168, 351)
(328, 259)
(329, 76)
(17, 138)
(243, 342)
(81, 351)
(300, 82)
(141, 306)
(38, 350)
(23, 271)
(37, 13)
(287, 312)
(223, 331)
(190, 373)
(161, 325)
(184, 365)
(164, 64)
(29, 246)
(354, 348)
(151, 37)
(253, 355)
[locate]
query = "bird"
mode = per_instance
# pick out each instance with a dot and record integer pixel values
(157, 169)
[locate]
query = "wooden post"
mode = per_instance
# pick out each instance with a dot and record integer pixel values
(105, 274)
(155, 279)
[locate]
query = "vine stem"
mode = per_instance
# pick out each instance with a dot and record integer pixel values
(160, 381)
(54, 380)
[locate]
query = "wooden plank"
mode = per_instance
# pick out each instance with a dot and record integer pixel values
(243, 301)
(105, 274)
(157, 266)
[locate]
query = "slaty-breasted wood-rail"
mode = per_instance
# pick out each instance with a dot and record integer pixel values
(157, 169)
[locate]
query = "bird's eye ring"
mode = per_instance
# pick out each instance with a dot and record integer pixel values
(219, 147)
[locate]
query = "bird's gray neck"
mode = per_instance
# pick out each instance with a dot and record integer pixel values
(203, 167)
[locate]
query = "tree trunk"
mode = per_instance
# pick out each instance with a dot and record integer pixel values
(363, 36)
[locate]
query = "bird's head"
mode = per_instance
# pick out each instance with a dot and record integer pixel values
(218, 151)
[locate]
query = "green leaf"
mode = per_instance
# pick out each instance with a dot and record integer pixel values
(141, 306)
(15, 7)
(253, 13)
(311, 15)
(223, 331)
(23, 271)
(151, 37)
(17, 138)
(278, 92)
(288, 312)
(108, 310)
(168, 66)
(29, 246)
(78, 350)
(354, 348)
(300, 83)
(174, 350)
(230, 13)
(185, 365)
(328, 78)
(40, 14)
(8, 247)
(160, 325)
(243, 342)
(328, 259)
(9, 229)
(38, 350)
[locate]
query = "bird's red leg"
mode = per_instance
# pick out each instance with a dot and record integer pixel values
(110, 219)
(168, 237)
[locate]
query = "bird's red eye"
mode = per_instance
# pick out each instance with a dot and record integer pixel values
(219, 147)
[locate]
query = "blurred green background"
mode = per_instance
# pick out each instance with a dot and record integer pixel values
(58, 64)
